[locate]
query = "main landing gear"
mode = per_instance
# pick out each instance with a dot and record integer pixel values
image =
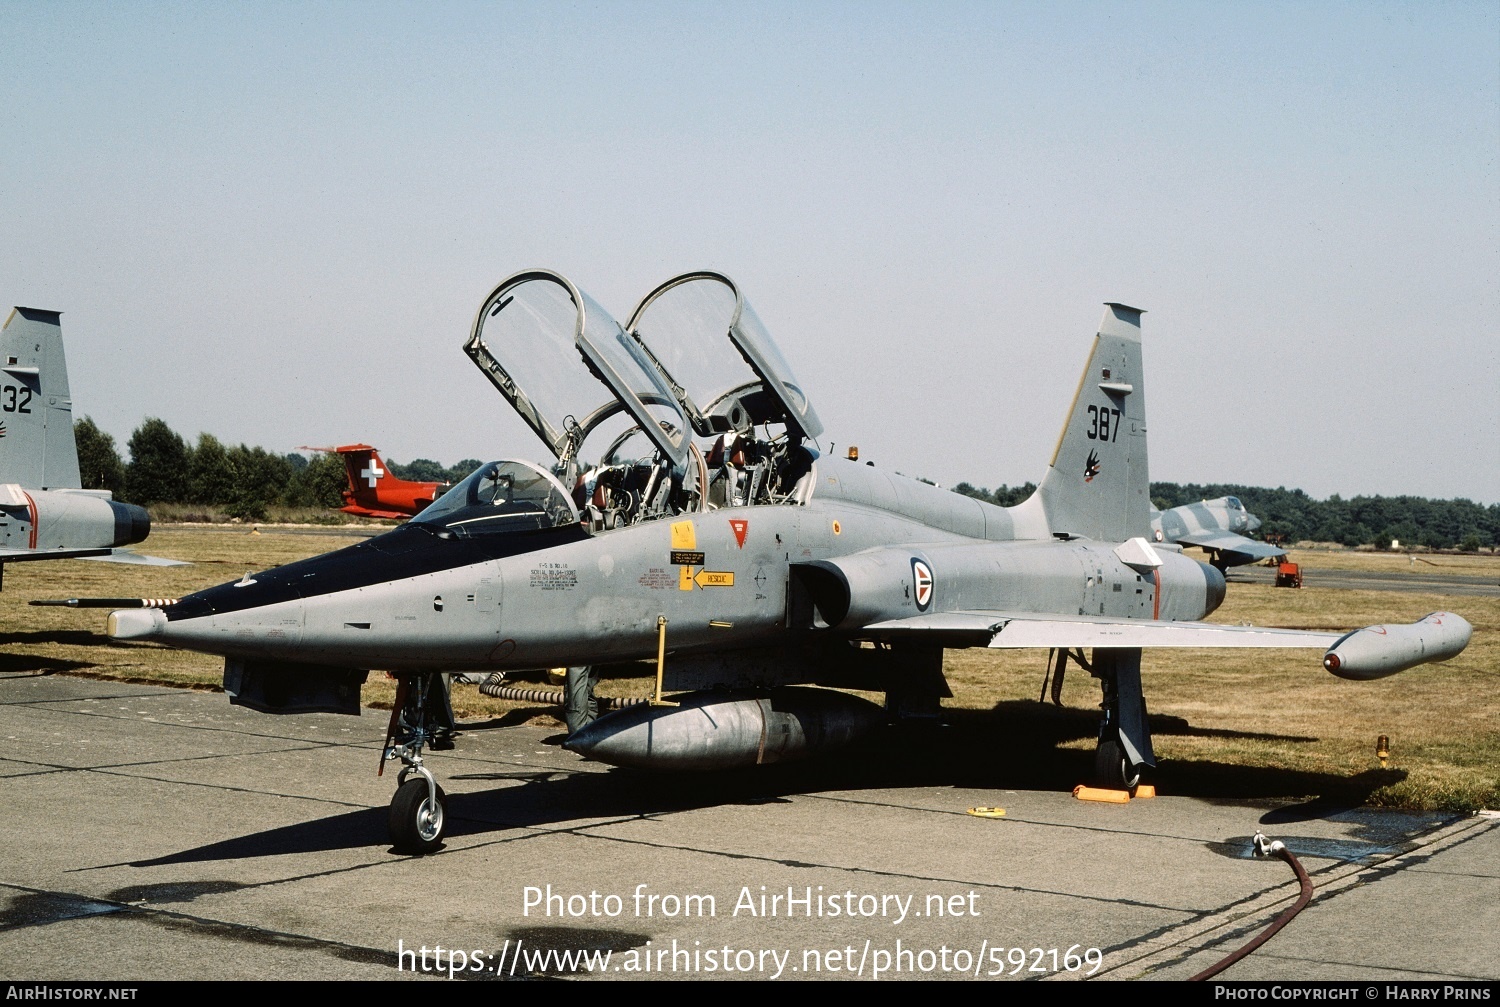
(419, 716)
(1124, 740)
(1124, 745)
(1113, 769)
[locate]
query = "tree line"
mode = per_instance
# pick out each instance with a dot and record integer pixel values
(1294, 516)
(244, 482)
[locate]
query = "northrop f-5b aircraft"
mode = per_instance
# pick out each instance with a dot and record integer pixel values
(688, 516)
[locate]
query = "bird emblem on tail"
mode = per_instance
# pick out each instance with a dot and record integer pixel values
(1091, 469)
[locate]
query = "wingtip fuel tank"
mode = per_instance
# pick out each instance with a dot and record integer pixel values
(1378, 651)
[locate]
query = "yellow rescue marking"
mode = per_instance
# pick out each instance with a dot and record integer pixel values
(987, 812)
(683, 535)
(687, 579)
(715, 578)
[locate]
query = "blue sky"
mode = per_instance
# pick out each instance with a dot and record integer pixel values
(274, 222)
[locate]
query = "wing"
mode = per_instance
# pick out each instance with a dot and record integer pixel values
(1372, 652)
(1237, 549)
(1010, 630)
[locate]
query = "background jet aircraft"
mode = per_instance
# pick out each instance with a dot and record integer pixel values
(1219, 527)
(44, 512)
(374, 492)
(689, 517)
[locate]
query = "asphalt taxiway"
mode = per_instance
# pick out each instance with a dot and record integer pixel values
(154, 833)
(1424, 579)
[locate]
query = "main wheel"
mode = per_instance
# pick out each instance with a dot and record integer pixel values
(1112, 769)
(416, 826)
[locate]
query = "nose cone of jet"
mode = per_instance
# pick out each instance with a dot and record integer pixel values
(136, 623)
(1251, 522)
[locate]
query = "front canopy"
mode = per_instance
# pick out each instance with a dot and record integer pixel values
(500, 498)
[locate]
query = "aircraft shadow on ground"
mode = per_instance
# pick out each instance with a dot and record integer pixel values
(1016, 746)
(37, 663)
(66, 637)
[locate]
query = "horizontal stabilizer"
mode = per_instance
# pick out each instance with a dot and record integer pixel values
(391, 515)
(1230, 543)
(137, 559)
(30, 555)
(103, 555)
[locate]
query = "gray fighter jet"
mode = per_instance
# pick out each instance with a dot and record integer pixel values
(44, 512)
(687, 516)
(1219, 527)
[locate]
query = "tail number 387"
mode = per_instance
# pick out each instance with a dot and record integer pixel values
(1104, 423)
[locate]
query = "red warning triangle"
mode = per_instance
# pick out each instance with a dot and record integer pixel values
(741, 527)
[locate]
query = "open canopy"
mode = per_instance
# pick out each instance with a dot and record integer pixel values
(547, 347)
(718, 359)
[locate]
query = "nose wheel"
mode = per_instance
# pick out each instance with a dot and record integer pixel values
(417, 814)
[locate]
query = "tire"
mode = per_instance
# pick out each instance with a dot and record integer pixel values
(414, 827)
(1112, 770)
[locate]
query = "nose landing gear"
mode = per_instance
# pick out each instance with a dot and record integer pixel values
(418, 810)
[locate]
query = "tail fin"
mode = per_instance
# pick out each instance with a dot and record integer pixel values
(1098, 485)
(36, 409)
(364, 468)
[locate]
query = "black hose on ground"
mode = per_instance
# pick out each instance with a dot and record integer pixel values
(1278, 848)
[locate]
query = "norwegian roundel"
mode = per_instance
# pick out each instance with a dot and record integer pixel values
(921, 576)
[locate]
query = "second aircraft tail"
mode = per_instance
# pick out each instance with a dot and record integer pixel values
(36, 409)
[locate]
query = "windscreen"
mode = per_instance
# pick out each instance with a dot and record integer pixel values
(500, 498)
